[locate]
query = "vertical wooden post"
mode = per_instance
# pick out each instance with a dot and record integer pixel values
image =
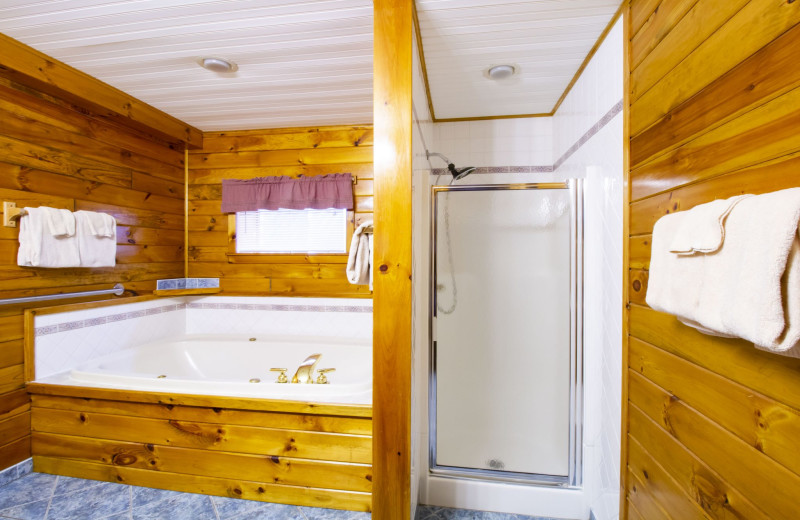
(392, 277)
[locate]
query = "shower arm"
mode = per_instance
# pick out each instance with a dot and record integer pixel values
(428, 155)
(450, 166)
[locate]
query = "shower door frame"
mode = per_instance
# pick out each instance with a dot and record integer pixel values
(574, 478)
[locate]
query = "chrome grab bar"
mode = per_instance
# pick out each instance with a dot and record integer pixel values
(117, 290)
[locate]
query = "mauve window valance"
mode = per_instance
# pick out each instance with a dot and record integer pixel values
(280, 192)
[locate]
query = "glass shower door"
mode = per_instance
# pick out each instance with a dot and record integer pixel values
(505, 356)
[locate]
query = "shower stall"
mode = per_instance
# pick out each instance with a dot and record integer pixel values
(505, 371)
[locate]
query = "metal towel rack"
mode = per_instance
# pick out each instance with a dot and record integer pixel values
(117, 290)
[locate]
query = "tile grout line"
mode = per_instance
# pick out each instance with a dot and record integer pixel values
(52, 494)
(214, 508)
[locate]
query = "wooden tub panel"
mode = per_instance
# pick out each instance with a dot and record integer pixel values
(303, 459)
(233, 488)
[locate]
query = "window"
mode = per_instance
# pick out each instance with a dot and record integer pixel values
(291, 231)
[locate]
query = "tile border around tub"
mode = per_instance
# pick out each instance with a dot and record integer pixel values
(280, 307)
(102, 320)
(122, 316)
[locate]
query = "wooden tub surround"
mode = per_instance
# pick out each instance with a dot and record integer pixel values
(289, 452)
(304, 454)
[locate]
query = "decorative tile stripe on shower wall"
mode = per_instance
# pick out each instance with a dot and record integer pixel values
(591, 132)
(616, 109)
(500, 169)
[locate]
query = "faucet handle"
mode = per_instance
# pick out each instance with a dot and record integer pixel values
(321, 379)
(282, 376)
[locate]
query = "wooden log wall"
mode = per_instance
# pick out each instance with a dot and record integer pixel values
(291, 152)
(318, 459)
(54, 153)
(714, 93)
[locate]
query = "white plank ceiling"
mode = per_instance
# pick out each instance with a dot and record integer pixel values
(301, 63)
(309, 62)
(546, 40)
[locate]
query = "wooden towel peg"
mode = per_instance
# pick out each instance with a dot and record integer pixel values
(11, 214)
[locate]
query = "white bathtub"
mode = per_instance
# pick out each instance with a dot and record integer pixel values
(225, 365)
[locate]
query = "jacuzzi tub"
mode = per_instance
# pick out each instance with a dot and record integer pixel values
(233, 366)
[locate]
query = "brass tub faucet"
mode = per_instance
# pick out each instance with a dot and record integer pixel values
(305, 371)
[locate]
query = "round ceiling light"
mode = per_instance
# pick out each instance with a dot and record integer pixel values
(499, 72)
(218, 65)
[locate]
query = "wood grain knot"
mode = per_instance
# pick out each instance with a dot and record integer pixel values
(637, 285)
(384, 268)
(123, 459)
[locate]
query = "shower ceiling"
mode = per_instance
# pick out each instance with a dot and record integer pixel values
(309, 62)
(546, 40)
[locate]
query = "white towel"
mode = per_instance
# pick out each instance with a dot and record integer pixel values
(47, 239)
(99, 224)
(750, 287)
(703, 227)
(359, 263)
(60, 222)
(97, 239)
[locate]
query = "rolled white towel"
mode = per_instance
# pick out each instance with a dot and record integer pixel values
(702, 228)
(60, 222)
(47, 239)
(30, 237)
(359, 263)
(97, 239)
(749, 288)
(99, 224)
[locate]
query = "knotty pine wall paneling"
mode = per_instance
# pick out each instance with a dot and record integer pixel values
(257, 153)
(712, 423)
(55, 154)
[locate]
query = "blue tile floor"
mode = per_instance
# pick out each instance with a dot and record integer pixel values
(444, 513)
(38, 496)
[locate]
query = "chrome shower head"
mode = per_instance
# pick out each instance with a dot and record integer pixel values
(455, 172)
(460, 173)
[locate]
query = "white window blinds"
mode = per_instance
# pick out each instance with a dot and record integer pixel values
(291, 231)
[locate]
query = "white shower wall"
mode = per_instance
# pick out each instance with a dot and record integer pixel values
(591, 115)
(422, 137)
(583, 140)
